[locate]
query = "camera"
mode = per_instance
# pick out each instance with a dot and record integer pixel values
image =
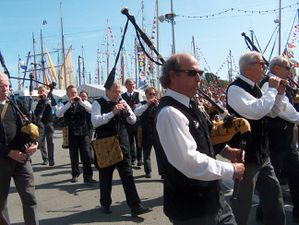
(76, 99)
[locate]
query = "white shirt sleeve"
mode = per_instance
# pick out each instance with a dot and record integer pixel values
(180, 149)
(250, 107)
(97, 118)
(61, 109)
(140, 109)
(87, 105)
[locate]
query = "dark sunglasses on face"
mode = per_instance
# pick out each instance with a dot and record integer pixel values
(151, 94)
(192, 72)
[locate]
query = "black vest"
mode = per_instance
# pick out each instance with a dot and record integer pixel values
(147, 120)
(134, 99)
(257, 149)
(116, 126)
(76, 118)
(186, 198)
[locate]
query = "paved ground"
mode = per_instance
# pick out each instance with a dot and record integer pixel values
(64, 203)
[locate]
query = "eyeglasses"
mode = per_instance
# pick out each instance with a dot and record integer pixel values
(192, 72)
(151, 94)
(261, 63)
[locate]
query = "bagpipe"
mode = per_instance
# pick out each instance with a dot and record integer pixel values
(29, 131)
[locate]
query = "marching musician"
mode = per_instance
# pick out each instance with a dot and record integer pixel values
(14, 163)
(146, 110)
(284, 156)
(44, 119)
(133, 97)
(192, 194)
(76, 117)
(109, 116)
(246, 100)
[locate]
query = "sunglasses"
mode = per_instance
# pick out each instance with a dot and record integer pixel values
(151, 94)
(192, 72)
(260, 63)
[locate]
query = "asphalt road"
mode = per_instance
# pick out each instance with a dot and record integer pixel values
(63, 203)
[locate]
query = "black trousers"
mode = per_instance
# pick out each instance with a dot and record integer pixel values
(285, 160)
(80, 144)
(135, 151)
(126, 175)
(147, 144)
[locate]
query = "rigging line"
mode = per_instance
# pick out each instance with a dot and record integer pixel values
(270, 39)
(270, 56)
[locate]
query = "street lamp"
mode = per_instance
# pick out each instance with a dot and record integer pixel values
(169, 17)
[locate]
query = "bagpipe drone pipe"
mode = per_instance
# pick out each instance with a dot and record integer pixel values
(28, 132)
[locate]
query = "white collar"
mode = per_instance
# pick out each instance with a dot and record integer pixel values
(185, 100)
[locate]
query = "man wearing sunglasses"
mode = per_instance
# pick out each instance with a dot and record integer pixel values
(284, 156)
(191, 173)
(245, 99)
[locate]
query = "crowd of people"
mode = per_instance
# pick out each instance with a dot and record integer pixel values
(176, 125)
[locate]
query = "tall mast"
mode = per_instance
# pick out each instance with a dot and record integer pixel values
(63, 49)
(79, 70)
(83, 65)
(34, 59)
(158, 40)
(98, 66)
(107, 49)
(42, 56)
(230, 66)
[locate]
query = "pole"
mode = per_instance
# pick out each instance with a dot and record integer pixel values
(172, 28)
(279, 29)
(158, 40)
(79, 70)
(34, 59)
(42, 55)
(63, 48)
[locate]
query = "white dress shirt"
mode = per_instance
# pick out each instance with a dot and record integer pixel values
(290, 114)
(98, 118)
(140, 109)
(249, 107)
(180, 147)
(62, 108)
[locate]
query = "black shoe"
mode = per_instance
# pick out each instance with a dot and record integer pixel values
(259, 214)
(148, 175)
(51, 164)
(133, 163)
(90, 181)
(45, 162)
(106, 209)
(74, 179)
(140, 210)
(139, 163)
(295, 216)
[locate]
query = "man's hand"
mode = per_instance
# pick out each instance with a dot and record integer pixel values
(18, 156)
(239, 170)
(233, 154)
(32, 149)
(274, 82)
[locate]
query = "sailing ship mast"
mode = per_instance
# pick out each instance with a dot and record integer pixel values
(63, 51)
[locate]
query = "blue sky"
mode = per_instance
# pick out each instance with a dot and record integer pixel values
(86, 22)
